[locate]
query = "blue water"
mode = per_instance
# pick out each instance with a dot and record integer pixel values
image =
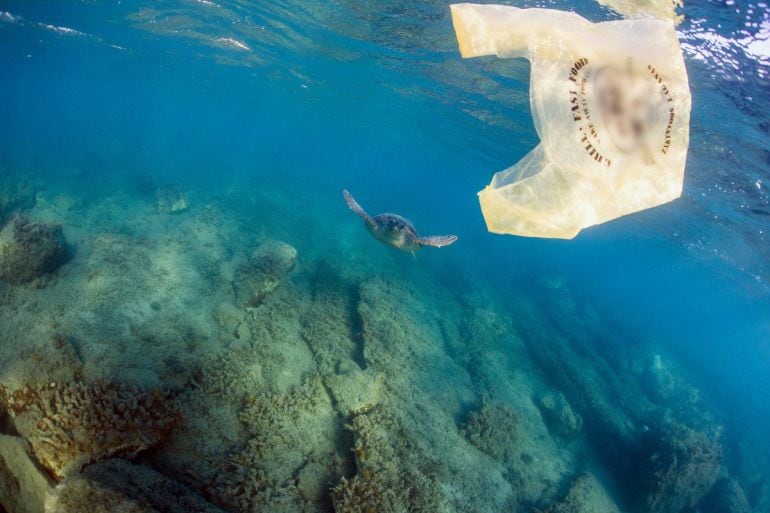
(373, 97)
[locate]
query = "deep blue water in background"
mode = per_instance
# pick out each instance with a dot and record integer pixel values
(373, 97)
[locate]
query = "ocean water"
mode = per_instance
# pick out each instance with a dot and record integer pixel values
(194, 155)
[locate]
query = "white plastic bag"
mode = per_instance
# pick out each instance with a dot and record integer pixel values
(611, 104)
(663, 9)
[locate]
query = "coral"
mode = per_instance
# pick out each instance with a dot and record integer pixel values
(364, 493)
(117, 485)
(264, 271)
(70, 424)
(676, 467)
(559, 416)
(392, 475)
(30, 249)
(492, 430)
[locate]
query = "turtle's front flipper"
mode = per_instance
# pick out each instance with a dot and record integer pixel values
(437, 241)
(355, 207)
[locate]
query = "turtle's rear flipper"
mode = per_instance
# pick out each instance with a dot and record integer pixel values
(355, 207)
(437, 241)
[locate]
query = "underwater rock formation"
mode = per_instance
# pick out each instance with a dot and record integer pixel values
(676, 468)
(492, 430)
(231, 320)
(726, 496)
(667, 468)
(30, 249)
(70, 424)
(614, 408)
(404, 334)
(559, 416)
(23, 486)
(264, 271)
(659, 382)
(587, 389)
(171, 200)
(355, 391)
(388, 479)
(289, 435)
(116, 485)
(361, 494)
(586, 495)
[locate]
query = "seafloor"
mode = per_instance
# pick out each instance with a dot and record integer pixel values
(167, 349)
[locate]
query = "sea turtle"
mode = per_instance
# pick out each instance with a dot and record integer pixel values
(396, 231)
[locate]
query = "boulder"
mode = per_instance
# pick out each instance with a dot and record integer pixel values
(356, 391)
(658, 380)
(492, 429)
(23, 486)
(559, 416)
(726, 497)
(268, 266)
(117, 485)
(171, 200)
(586, 495)
(676, 466)
(68, 425)
(30, 249)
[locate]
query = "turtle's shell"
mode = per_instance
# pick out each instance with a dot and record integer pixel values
(395, 231)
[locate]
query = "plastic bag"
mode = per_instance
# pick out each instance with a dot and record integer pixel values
(611, 104)
(663, 9)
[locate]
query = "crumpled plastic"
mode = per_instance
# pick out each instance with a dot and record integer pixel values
(611, 104)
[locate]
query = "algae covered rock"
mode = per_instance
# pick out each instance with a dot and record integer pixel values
(30, 249)
(586, 495)
(676, 467)
(23, 486)
(726, 496)
(232, 321)
(559, 416)
(264, 271)
(356, 391)
(117, 485)
(290, 435)
(171, 200)
(393, 475)
(658, 380)
(492, 430)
